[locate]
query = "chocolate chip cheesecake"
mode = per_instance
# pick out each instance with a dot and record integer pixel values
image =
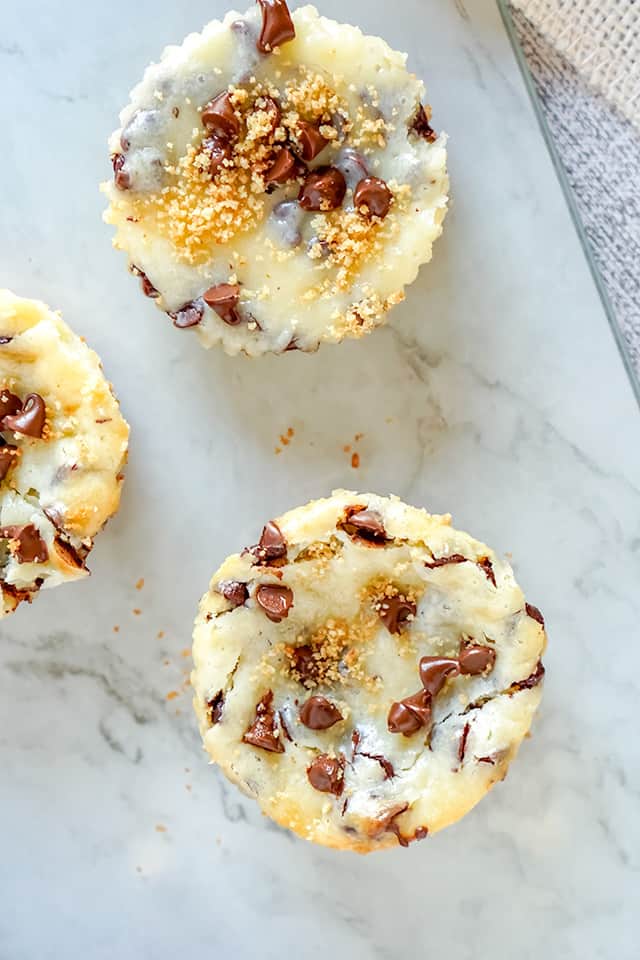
(277, 181)
(63, 445)
(365, 671)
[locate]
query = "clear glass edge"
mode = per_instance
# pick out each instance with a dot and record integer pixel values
(618, 336)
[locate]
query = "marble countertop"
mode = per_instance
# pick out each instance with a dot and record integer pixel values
(497, 393)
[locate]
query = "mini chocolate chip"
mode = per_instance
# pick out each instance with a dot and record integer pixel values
(363, 524)
(223, 299)
(263, 732)
(310, 139)
(422, 127)
(318, 713)
(532, 680)
(487, 568)
(462, 745)
(411, 714)
(8, 459)
(276, 601)
(285, 167)
(215, 707)
(323, 189)
(272, 545)
(534, 613)
(326, 774)
(395, 612)
(30, 420)
(121, 178)
(374, 195)
(277, 25)
(234, 591)
(147, 287)
(190, 315)
(475, 659)
(218, 151)
(443, 561)
(421, 833)
(434, 672)
(175, 112)
(220, 119)
(30, 547)
(9, 403)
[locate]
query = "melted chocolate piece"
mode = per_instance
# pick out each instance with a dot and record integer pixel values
(9, 403)
(374, 195)
(421, 833)
(220, 119)
(234, 591)
(411, 714)
(318, 713)
(486, 760)
(363, 524)
(395, 612)
(387, 824)
(462, 745)
(272, 545)
(434, 672)
(326, 774)
(352, 166)
(534, 613)
(218, 151)
(304, 663)
(323, 189)
(188, 316)
(443, 561)
(8, 459)
(69, 553)
(263, 732)
(121, 178)
(422, 127)
(475, 659)
(386, 765)
(223, 300)
(532, 680)
(487, 568)
(147, 287)
(310, 139)
(30, 420)
(277, 25)
(215, 707)
(276, 601)
(285, 167)
(4, 340)
(29, 545)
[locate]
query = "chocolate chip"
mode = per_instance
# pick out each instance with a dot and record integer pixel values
(30, 420)
(223, 299)
(487, 568)
(326, 774)
(4, 340)
(318, 713)
(272, 545)
(462, 744)
(411, 714)
(220, 119)
(285, 167)
(310, 140)
(276, 601)
(475, 659)
(421, 833)
(215, 707)
(323, 189)
(190, 315)
(303, 663)
(395, 612)
(534, 613)
(387, 824)
(287, 218)
(9, 403)
(267, 105)
(352, 166)
(218, 151)
(422, 127)
(29, 545)
(234, 591)
(434, 672)
(443, 561)
(277, 25)
(532, 680)
(121, 178)
(70, 555)
(263, 732)
(8, 459)
(374, 195)
(147, 287)
(363, 524)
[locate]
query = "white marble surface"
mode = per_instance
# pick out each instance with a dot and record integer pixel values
(497, 393)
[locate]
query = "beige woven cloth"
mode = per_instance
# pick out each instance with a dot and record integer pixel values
(601, 38)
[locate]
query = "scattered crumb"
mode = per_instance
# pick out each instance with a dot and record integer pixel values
(187, 787)
(187, 769)
(186, 652)
(139, 869)
(160, 828)
(116, 629)
(140, 583)
(167, 663)
(160, 634)
(136, 611)
(358, 437)
(347, 448)
(355, 460)
(172, 694)
(278, 450)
